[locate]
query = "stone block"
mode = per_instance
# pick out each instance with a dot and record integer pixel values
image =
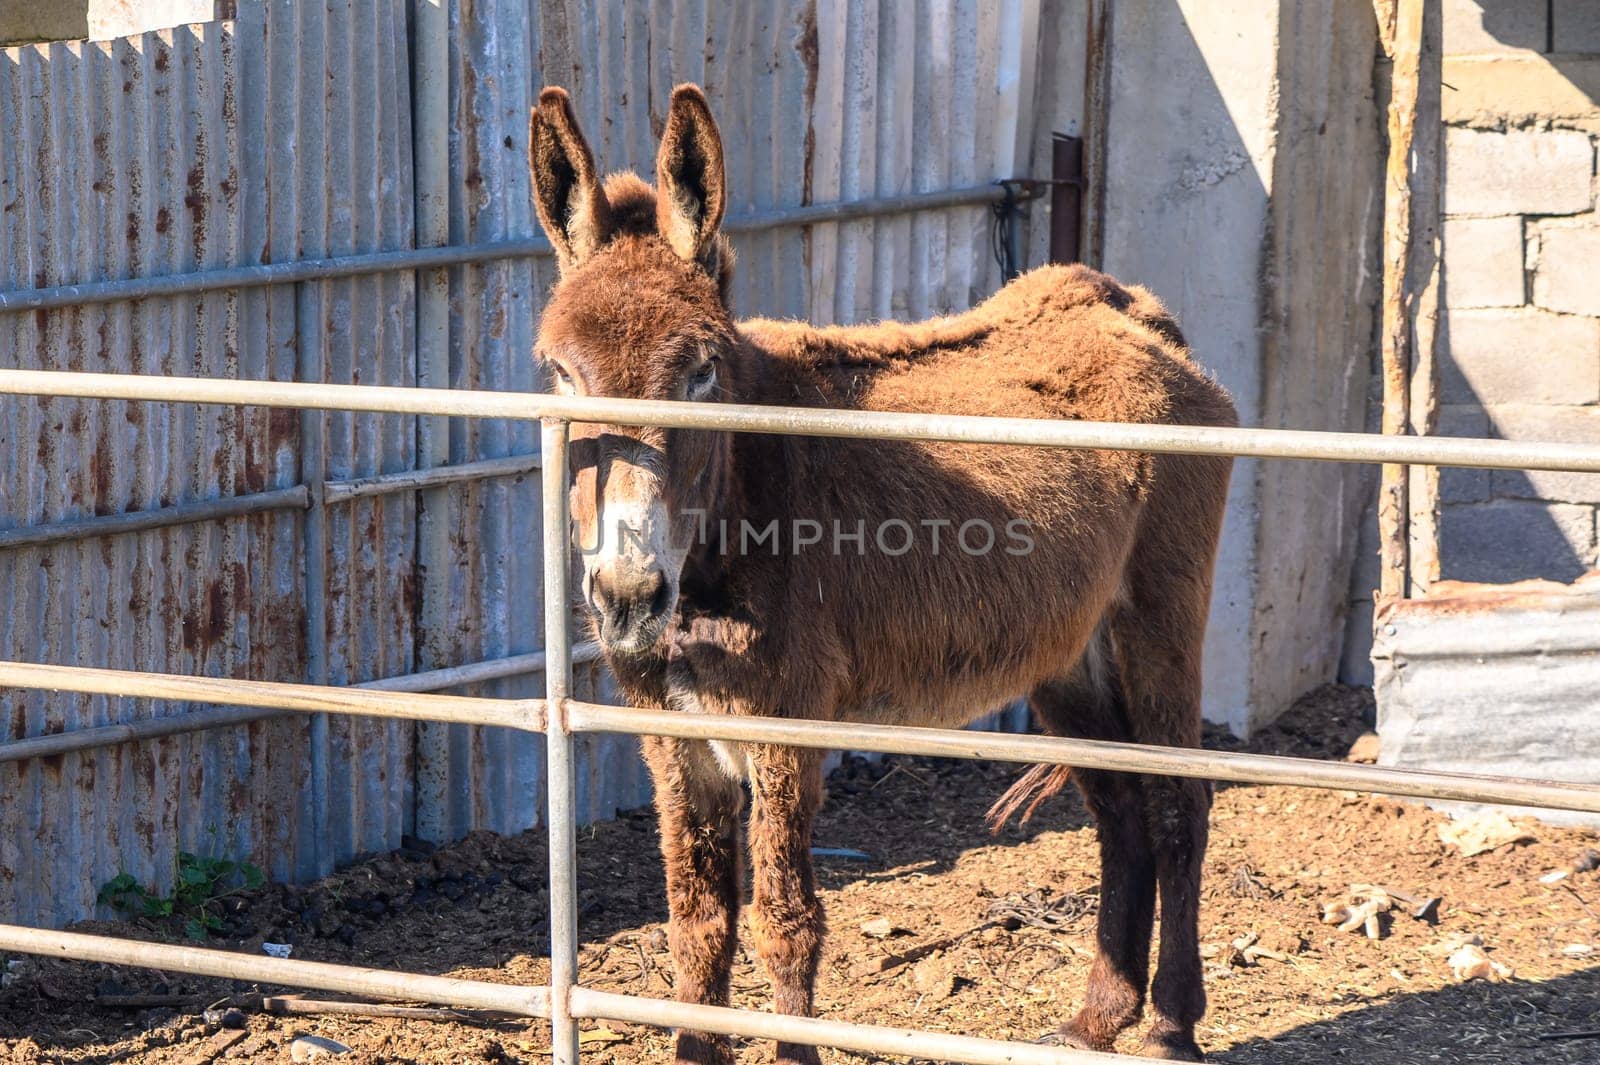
(121, 18)
(1495, 26)
(1565, 260)
(1512, 90)
(1520, 171)
(1513, 540)
(1492, 357)
(1563, 425)
(1575, 27)
(1483, 262)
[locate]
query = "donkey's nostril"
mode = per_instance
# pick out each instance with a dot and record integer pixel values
(662, 596)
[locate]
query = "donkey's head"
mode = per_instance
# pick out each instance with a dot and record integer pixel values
(640, 312)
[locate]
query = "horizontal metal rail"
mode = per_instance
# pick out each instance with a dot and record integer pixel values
(478, 672)
(305, 698)
(295, 497)
(434, 477)
(259, 275)
(1095, 754)
(861, 1038)
(290, 972)
(889, 739)
(57, 743)
(807, 421)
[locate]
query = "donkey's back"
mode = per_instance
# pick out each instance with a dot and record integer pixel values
(1057, 342)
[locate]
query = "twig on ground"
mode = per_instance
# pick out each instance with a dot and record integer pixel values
(294, 1004)
(1587, 1033)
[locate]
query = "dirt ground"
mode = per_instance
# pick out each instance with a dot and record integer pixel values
(943, 927)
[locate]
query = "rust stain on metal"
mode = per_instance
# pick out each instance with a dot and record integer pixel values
(806, 49)
(1459, 598)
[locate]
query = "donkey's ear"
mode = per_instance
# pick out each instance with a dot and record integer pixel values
(566, 190)
(690, 187)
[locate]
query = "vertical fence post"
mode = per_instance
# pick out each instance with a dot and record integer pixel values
(559, 813)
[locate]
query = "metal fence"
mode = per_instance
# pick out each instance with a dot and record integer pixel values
(562, 718)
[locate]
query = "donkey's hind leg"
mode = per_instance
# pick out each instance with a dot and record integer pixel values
(1088, 705)
(698, 806)
(1157, 630)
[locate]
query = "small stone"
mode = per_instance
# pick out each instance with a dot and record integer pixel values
(1471, 963)
(1364, 750)
(881, 928)
(932, 977)
(227, 1018)
(315, 1048)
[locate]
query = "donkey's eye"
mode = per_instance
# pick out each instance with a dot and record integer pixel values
(702, 380)
(563, 379)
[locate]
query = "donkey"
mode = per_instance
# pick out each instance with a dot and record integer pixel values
(1090, 598)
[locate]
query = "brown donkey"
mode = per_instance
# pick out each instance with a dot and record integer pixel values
(869, 581)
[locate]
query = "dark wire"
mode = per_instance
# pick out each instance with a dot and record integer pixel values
(1002, 218)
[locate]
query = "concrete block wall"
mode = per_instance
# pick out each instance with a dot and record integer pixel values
(1519, 344)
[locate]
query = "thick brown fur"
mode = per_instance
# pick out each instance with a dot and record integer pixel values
(1100, 624)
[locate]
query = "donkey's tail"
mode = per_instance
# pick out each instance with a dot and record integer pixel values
(1031, 789)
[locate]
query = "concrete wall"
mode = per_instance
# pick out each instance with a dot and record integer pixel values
(1519, 353)
(1242, 185)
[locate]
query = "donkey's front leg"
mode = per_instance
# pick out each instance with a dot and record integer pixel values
(787, 920)
(697, 805)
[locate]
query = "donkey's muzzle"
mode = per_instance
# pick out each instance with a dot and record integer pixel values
(631, 618)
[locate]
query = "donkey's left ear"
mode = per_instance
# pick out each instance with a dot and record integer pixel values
(571, 204)
(691, 190)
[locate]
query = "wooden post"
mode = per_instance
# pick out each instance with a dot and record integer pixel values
(1408, 28)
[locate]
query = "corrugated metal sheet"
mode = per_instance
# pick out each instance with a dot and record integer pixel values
(138, 141)
(289, 135)
(173, 151)
(338, 177)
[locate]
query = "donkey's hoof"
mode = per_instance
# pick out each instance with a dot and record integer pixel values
(1078, 1036)
(696, 1049)
(1169, 1045)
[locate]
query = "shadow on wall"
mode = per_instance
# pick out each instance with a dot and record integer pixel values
(1242, 186)
(1500, 526)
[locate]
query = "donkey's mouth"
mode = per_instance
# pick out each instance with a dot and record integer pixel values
(635, 626)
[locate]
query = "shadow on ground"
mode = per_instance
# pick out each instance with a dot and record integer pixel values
(1470, 1024)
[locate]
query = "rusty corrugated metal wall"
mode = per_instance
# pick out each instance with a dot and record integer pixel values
(286, 135)
(124, 159)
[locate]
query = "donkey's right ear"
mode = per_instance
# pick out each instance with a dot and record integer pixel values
(566, 190)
